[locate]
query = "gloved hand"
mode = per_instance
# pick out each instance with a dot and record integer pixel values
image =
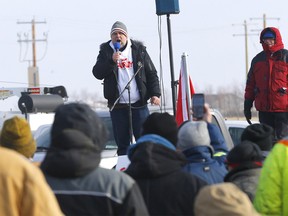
(247, 110)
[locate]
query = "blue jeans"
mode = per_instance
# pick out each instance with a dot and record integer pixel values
(121, 127)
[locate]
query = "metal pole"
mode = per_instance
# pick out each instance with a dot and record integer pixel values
(130, 116)
(246, 46)
(264, 21)
(33, 43)
(173, 85)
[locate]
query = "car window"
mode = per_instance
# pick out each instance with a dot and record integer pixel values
(236, 133)
(42, 137)
(110, 144)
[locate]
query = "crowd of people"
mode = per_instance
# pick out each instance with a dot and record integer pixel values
(184, 170)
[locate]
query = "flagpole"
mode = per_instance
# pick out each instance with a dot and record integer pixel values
(187, 83)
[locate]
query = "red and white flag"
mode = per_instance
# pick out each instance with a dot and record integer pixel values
(185, 90)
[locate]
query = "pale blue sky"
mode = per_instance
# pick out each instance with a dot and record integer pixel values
(203, 29)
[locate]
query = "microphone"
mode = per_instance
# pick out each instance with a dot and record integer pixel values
(117, 45)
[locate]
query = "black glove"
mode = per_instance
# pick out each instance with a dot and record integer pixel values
(247, 109)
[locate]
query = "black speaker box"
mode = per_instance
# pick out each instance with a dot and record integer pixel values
(167, 7)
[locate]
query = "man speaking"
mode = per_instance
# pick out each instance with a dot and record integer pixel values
(130, 80)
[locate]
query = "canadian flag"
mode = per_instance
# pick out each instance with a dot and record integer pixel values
(185, 92)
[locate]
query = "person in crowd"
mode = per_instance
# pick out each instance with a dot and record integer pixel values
(223, 199)
(266, 84)
(194, 142)
(23, 189)
(16, 134)
(118, 62)
(244, 163)
(71, 167)
(261, 134)
(156, 165)
(271, 196)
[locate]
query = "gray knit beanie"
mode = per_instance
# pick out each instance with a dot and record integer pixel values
(193, 134)
(119, 26)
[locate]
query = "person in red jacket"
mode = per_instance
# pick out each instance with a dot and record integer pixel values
(266, 84)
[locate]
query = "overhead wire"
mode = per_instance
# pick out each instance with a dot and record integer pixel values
(25, 54)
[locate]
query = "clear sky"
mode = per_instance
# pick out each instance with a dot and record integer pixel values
(203, 29)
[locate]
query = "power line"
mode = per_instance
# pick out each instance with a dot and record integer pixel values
(246, 44)
(33, 40)
(264, 18)
(33, 73)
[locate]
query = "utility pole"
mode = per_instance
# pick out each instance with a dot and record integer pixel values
(33, 72)
(246, 44)
(264, 18)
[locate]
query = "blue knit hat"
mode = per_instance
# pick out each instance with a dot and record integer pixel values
(268, 34)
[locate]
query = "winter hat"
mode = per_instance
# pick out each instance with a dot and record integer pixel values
(193, 134)
(162, 124)
(16, 134)
(268, 34)
(81, 119)
(119, 26)
(223, 199)
(245, 153)
(261, 134)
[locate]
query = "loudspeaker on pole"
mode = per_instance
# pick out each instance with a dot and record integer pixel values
(167, 7)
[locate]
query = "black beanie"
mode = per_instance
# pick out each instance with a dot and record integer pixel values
(78, 117)
(243, 153)
(261, 134)
(162, 124)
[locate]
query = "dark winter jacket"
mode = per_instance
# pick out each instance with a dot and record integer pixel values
(147, 79)
(157, 168)
(202, 164)
(246, 178)
(84, 188)
(267, 78)
(208, 163)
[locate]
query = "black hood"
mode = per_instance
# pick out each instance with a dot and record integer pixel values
(77, 138)
(79, 158)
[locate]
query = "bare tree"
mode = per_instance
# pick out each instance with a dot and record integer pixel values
(93, 99)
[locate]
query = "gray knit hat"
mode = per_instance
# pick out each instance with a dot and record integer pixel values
(193, 134)
(119, 26)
